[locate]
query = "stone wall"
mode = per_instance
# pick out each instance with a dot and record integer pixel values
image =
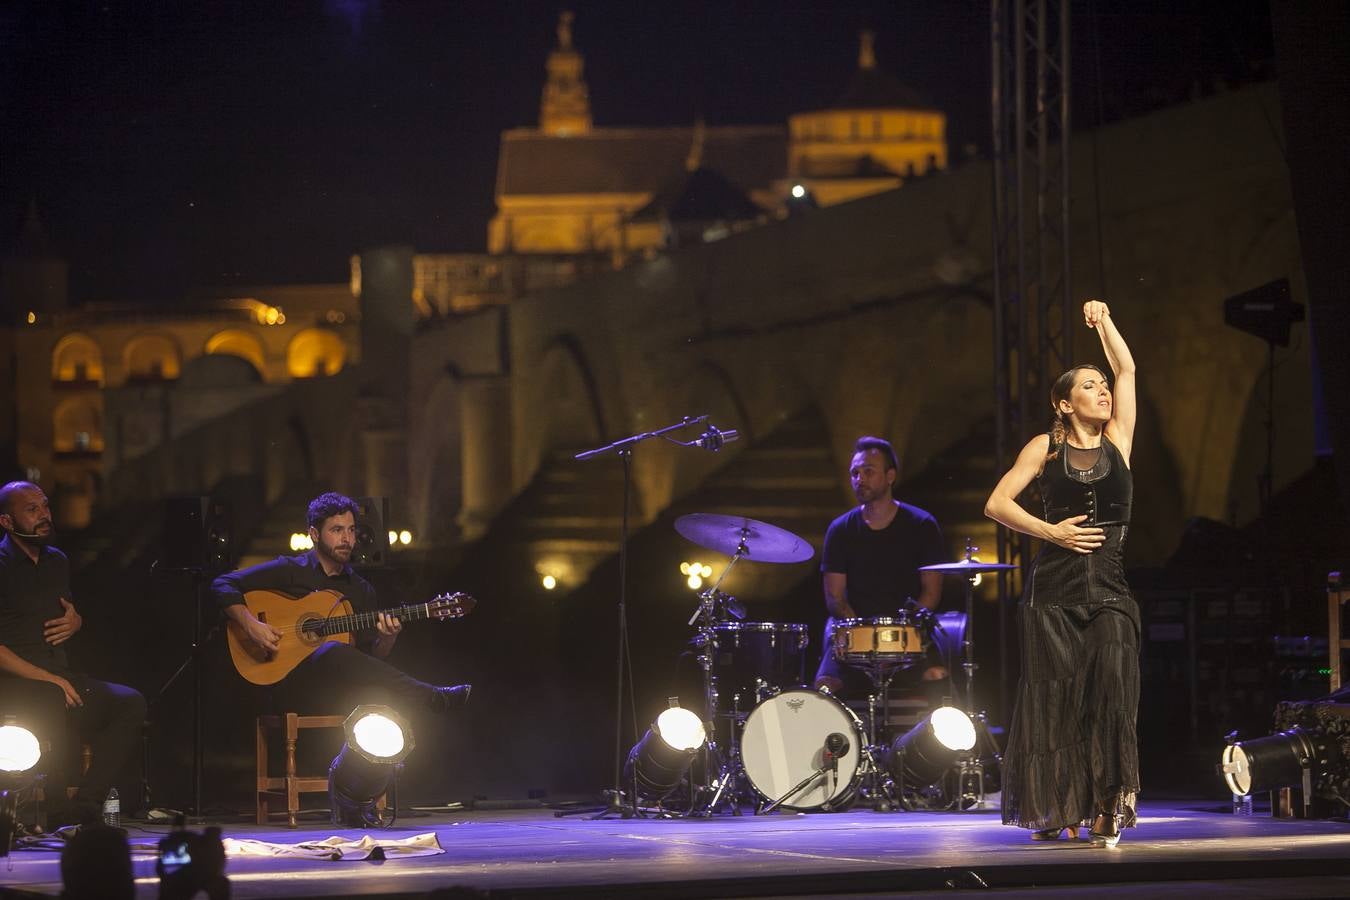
(878, 312)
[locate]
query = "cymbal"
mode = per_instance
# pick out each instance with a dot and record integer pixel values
(725, 534)
(966, 567)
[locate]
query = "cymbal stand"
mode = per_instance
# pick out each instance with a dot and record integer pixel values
(727, 768)
(968, 664)
(970, 767)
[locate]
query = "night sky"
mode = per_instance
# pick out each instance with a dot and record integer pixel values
(173, 144)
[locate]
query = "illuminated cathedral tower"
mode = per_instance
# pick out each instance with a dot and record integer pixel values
(566, 106)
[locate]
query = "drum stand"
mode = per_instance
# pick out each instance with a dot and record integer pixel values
(878, 784)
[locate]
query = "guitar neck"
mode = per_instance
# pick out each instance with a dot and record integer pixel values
(364, 621)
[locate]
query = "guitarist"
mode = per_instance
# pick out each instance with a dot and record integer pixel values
(334, 669)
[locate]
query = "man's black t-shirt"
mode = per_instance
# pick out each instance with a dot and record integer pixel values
(882, 566)
(30, 595)
(297, 576)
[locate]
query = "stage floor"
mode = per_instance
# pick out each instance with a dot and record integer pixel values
(1179, 849)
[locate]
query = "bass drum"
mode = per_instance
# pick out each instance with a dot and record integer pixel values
(783, 744)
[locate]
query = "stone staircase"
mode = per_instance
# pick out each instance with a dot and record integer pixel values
(787, 479)
(568, 520)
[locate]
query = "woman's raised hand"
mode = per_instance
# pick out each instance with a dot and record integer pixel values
(1094, 311)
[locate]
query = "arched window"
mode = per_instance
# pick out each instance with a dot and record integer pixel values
(77, 359)
(315, 352)
(77, 426)
(152, 357)
(234, 342)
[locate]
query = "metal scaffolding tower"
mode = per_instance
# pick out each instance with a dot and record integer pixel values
(1033, 301)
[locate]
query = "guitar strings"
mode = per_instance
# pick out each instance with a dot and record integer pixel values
(358, 619)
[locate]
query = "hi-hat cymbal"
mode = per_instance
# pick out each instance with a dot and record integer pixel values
(966, 567)
(726, 534)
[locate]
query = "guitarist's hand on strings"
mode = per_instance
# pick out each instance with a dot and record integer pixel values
(388, 627)
(262, 634)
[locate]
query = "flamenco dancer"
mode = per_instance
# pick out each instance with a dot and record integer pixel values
(1072, 754)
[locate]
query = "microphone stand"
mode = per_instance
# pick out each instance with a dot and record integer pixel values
(200, 578)
(830, 764)
(614, 797)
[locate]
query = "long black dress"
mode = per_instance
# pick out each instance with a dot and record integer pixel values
(1072, 748)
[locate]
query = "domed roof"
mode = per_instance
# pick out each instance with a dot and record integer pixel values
(871, 88)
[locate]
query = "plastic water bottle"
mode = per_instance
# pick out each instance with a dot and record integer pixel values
(112, 809)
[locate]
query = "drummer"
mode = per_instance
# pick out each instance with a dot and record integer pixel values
(871, 568)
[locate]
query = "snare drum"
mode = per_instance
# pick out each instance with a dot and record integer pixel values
(784, 743)
(747, 657)
(883, 641)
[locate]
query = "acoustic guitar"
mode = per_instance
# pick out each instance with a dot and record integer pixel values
(308, 621)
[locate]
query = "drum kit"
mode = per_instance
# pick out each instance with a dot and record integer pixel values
(773, 741)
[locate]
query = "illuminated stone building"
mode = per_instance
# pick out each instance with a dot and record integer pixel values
(569, 187)
(574, 199)
(98, 386)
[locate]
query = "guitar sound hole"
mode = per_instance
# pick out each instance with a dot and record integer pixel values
(309, 629)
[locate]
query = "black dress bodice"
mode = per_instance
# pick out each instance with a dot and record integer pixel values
(1094, 483)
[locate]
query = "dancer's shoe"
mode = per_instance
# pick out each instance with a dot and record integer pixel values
(1105, 830)
(1054, 834)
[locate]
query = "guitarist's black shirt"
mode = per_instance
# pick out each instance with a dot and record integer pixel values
(297, 576)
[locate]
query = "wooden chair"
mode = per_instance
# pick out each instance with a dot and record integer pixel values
(291, 785)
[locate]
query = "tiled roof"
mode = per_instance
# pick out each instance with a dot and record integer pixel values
(636, 160)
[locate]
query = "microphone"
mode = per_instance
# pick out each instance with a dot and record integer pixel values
(735, 608)
(713, 438)
(836, 745)
(31, 537)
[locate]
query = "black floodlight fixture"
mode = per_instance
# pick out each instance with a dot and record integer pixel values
(378, 740)
(1290, 758)
(920, 756)
(658, 761)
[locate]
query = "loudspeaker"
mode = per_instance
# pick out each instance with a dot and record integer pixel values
(1266, 312)
(372, 532)
(196, 534)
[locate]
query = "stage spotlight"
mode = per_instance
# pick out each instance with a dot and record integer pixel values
(1285, 759)
(920, 756)
(378, 740)
(658, 761)
(19, 753)
(19, 750)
